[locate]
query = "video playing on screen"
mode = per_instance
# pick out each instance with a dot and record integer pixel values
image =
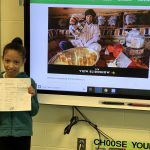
(100, 50)
(117, 43)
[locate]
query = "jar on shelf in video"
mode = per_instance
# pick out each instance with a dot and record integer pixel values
(135, 43)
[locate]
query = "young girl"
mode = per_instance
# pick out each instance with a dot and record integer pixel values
(16, 127)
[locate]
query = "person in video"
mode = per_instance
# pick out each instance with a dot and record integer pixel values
(16, 126)
(88, 36)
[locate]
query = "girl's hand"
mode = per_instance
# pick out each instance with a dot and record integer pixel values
(31, 91)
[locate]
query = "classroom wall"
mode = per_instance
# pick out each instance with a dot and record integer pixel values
(11, 23)
(51, 120)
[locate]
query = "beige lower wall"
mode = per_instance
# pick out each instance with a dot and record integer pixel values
(49, 124)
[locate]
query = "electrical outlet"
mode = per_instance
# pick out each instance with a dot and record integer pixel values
(81, 144)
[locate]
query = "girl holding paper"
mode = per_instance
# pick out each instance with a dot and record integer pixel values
(16, 126)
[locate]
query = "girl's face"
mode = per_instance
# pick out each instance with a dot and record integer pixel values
(89, 19)
(12, 61)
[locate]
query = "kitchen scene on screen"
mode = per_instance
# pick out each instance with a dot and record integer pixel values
(119, 38)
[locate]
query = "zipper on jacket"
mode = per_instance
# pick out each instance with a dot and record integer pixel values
(11, 115)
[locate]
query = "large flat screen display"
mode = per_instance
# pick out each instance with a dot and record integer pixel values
(95, 48)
